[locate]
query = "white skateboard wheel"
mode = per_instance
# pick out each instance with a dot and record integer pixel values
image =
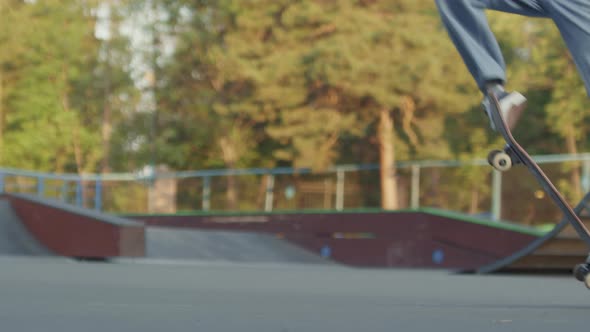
(500, 160)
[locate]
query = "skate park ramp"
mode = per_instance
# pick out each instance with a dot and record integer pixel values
(232, 246)
(15, 239)
(160, 243)
(557, 251)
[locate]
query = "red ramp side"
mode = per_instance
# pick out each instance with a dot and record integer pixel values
(427, 238)
(76, 232)
(15, 239)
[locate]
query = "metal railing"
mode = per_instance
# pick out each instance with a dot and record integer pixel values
(343, 187)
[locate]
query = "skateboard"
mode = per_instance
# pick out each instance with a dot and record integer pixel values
(513, 154)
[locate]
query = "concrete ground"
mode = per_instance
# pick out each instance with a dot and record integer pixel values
(51, 294)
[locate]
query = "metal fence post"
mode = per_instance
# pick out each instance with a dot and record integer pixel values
(40, 186)
(496, 195)
(98, 194)
(415, 194)
(340, 177)
(586, 175)
(79, 193)
(270, 187)
(2, 187)
(206, 203)
(64, 191)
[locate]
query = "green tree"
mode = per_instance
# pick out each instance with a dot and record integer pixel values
(111, 82)
(568, 111)
(305, 74)
(407, 85)
(44, 124)
(59, 86)
(12, 16)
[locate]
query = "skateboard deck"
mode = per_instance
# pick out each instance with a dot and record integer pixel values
(512, 154)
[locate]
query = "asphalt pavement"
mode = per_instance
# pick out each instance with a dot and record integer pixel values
(49, 294)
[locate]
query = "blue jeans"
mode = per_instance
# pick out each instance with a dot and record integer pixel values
(469, 30)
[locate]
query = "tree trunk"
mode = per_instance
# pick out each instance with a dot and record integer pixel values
(230, 158)
(389, 199)
(76, 139)
(408, 109)
(106, 126)
(261, 197)
(2, 115)
(575, 172)
(107, 130)
(79, 157)
(473, 206)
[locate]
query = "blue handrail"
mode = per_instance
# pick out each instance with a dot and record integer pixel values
(541, 159)
(42, 184)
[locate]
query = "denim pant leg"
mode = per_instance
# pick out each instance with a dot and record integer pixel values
(572, 17)
(468, 27)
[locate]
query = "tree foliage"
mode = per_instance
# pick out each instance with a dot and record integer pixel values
(265, 83)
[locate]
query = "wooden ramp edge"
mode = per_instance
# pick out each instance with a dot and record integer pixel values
(76, 232)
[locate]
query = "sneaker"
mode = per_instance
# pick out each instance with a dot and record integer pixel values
(511, 106)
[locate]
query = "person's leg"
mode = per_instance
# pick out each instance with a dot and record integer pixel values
(572, 17)
(467, 25)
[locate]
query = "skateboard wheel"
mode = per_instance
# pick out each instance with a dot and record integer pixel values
(500, 160)
(581, 272)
